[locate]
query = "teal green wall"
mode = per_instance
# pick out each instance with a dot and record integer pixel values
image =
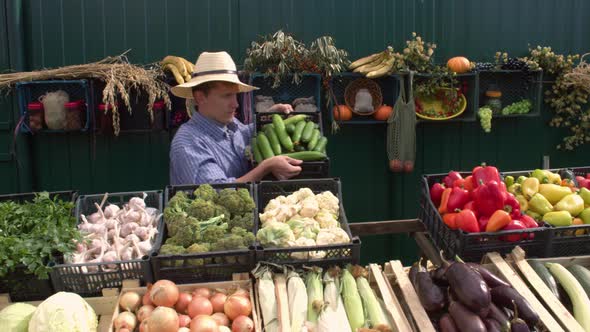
(64, 32)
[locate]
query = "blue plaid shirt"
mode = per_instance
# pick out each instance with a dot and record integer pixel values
(205, 151)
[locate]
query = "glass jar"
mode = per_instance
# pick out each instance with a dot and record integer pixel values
(494, 99)
(74, 116)
(35, 112)
(159, 113)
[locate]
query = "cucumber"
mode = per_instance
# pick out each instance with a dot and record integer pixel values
(298, 131)
(264, 145)
(547, 277)
(274, 140)
(294, 119)
(268, 125)
(299, 148)
(256, 151)
(313, 141)
(307, 155)
(290, 128)
(321, 144)
(572, 286)
(281, 132)
(307, 131)
(581, 274)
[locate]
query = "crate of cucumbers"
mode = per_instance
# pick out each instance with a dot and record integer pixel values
(299, 136)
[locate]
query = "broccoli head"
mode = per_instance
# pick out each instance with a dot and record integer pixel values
(238, 239)
(196, 249)
(202, 209)
(187, 234)
(171, 249)
(213, 232)
(237, 202)
(205, 192)
(245, 221)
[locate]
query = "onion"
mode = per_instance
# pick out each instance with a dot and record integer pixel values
(125, 319)
(202, 291)
(242, 292)
(204, 323)
(144, 312)
(146, 300)
(130, 301)
(164, 293)
(124, 330)
(199, 306)
(218, 300)
(163, 319)
(224, 329)
(221, 319)
(185, 329)
(143, 327)
(183, 320)
(182, 304)
(236, 305)
(242, 324)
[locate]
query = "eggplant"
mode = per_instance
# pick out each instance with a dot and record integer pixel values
(491, 279)
(517, 324)
(499, 316)
(504, 296)
(465, 319)
(483, 313)
(431, 296)
(438, 276)
(446, 324)
(492, 325)
(468, 285)
(568, 174)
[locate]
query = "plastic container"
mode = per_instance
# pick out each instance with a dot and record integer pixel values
(472, 247)
(74, 115)
(36, 116)
(335, 254)
(91, 278)
(105, 118)
(159, 115)
(494, 99)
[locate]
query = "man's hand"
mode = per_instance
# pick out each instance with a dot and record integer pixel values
(283, 167)
(281, 108)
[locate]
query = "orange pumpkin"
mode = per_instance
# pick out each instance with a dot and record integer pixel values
(342, 113)
(383, 113)
(459, 64)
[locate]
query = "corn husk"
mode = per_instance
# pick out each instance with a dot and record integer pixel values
(333, 318)
(352, 301)
(267, 299)
(315, 294)
(297, 294)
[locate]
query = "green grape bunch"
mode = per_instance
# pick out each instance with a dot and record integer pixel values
(519, 107)
(485, 118)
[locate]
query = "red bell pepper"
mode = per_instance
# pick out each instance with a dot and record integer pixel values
(459, 197)
(449, 220)
(471, 206)
(483, 223)
(469, 185)
(511, 205)
(488, 198)
(582, 182)
(450, 178)
(514, 225)
(466, 221)
(528, 221)
(436, 192)
(484, 174)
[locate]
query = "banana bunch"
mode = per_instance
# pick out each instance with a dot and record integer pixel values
(374, 65)
(179, 67)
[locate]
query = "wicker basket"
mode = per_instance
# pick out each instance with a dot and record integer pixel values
(363, 83)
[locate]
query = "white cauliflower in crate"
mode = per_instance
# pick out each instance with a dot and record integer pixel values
(305, 242)
(304, 227)
(274, 203)
(281, 213)
(275, 234)
(303, 193)
(333, 235)
(309, 207)
(326, 219)
(327, 201)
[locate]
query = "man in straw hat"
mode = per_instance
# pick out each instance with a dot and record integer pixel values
(211, 146)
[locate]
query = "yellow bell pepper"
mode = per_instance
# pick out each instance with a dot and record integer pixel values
(572, 203)
(535, 215)
(515, 189)
(524, 204)
(530, 187)
(585, 194)
(538, 203)
(554, 193)
(552, 177)
(585, 215)
(558, 218)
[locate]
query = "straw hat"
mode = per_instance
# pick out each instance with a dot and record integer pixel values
(211, 66)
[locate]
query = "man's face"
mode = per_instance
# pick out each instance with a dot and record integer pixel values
(220, 103)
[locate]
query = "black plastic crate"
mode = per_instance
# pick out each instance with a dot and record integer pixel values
(136, 119)
(515, 86)
(468, 84)
(335, 254)
(90, 278)
(19, 284)
(580, 171)
(473, 246)
(288, 90)
(209, 266)
(569, 241)
(309, 169)
(389, 85)
(28, 92)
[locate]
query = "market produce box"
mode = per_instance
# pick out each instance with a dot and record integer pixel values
(303, 222)
(472, 246)
(228, 302)
(309, 144)
(19, 283)
(137, 218)
(304, 96)
(220, 247)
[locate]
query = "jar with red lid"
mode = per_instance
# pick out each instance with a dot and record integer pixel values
(159, 115)
(35, 112)
(74, 115)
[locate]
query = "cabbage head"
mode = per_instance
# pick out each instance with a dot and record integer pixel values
(16, 317)
(64, 312)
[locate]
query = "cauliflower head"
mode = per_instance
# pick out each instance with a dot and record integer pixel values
(309, 207)
(327, 201)
(333, 235)
(326, 219)
(275, 234)
(304, 227)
